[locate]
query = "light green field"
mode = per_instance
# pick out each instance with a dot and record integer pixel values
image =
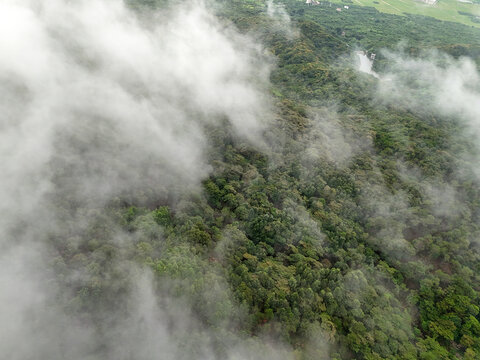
(443, 9)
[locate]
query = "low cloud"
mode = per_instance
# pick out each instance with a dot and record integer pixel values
(97, 105)
(281, 19)
(330, 139)
(437, 84)
(434, 82)
(113, 102)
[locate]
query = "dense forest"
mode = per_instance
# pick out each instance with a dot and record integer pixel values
(345, 226)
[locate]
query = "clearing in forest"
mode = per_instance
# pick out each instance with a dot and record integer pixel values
(463, 11)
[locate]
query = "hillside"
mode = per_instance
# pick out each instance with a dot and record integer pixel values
(219, 181)
(461, 11)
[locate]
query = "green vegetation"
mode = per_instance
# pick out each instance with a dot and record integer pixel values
(464, 12)
(368, 29)
(351, 251)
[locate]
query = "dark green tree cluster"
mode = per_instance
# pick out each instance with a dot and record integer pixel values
(342, 259)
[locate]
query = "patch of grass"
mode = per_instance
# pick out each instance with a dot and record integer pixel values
(447, 10)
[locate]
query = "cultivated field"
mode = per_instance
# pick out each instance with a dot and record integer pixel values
(449, 10)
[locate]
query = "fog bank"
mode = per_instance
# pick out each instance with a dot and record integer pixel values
(98, 105)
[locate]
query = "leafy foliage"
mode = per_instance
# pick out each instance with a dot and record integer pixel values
(292, 244)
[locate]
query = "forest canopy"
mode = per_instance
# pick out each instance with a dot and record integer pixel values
(219, 180)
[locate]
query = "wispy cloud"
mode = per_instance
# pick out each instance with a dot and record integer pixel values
(97, 104)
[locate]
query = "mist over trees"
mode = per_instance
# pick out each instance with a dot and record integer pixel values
(218, 180)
